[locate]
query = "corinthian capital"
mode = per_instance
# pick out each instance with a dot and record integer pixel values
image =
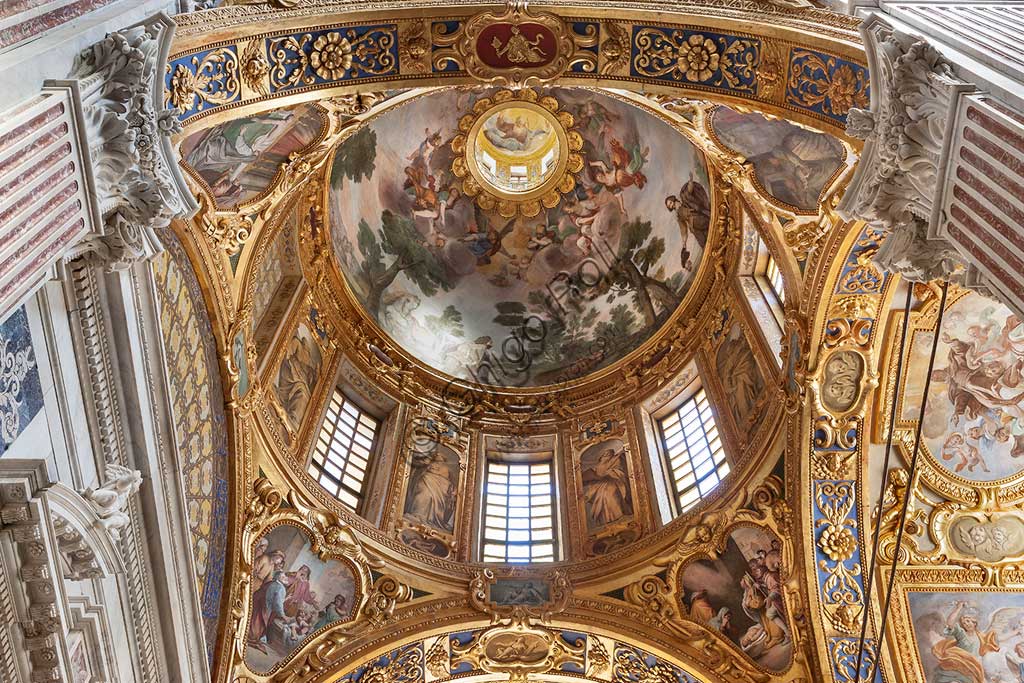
(914, 92)
(138, 185)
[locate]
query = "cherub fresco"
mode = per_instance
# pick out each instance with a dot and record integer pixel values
(418, 251)
(969, 637)
(294, 594)
(974, 424)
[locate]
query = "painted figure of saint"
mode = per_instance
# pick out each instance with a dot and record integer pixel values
(297, 378)
(432, 500)
(605, 490)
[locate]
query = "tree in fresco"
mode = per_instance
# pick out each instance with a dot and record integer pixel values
(620, 326)
(449, 322)
(399, 238)
(636, 255)
(355, 158)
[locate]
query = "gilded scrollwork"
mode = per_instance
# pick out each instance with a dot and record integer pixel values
(516, 47)
(708, 59)
(207, 79)
(826, 83)
(518, 648)
(328, 56)
(837, 552)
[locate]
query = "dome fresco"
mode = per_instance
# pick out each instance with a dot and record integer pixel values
(521, 300)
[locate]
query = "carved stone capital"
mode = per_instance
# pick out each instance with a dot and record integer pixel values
(138, 185)
(914, 92)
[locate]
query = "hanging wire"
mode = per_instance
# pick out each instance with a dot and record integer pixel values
(910, 485)
(885, 469)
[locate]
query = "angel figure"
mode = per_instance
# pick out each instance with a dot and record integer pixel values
(429, 201)
(624, 171)
(958, 654)
(110, 501)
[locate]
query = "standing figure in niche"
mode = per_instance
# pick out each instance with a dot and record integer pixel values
(605, 490)
(433, 496)
(296, 378)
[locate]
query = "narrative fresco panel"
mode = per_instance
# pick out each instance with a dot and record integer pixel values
(294, 595)
(794, 165)
(739, 594)
(974, 424)
(969, 637)
(240, 158)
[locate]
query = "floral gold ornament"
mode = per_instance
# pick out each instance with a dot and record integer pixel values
(209, 78)
(513, 182)
(716, 60)
(331, 56)
(826, 84)
(698, 58)
(837, 542)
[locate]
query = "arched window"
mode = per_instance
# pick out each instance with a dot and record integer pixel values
(691, 449)
(519, 510)
(341, 455)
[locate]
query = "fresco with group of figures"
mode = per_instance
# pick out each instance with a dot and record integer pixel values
(792, 164)
(469, 292)
(974, 419)
(294, 595)
(240, 158)
(740, 595)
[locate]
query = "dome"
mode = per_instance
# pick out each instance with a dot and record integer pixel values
(519, 238)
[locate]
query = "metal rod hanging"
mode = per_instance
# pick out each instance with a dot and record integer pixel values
(910, 484)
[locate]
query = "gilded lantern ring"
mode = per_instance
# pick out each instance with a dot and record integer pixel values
(516, 152)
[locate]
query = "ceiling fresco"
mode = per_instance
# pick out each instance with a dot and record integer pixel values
(974, 424)
(239, 159)
(969, 636)
(792, 165)
(519, 300)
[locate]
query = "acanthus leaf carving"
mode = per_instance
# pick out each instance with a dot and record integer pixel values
(896, 181)
(137, 189)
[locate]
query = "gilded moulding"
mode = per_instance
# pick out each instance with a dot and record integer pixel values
(846, 292)
(803, 71)
(516, 47)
